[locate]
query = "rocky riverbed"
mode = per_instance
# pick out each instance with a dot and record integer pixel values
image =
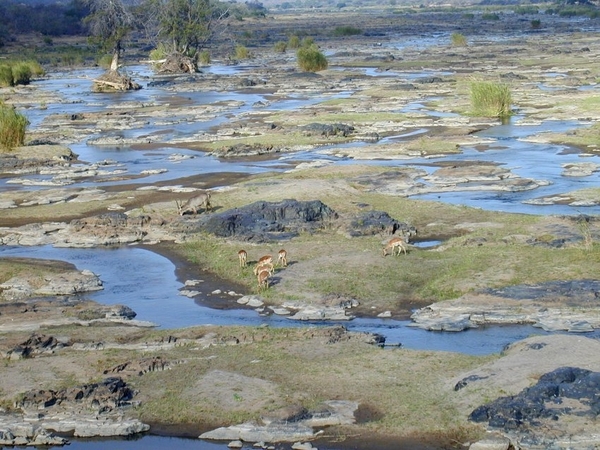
(313, 384)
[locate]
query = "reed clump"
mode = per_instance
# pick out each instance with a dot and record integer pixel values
(12, 128)
(490, 99)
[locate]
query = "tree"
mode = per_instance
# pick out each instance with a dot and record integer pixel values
(181, 28)
(109, 23)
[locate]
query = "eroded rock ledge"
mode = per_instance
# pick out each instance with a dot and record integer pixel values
(541, 305)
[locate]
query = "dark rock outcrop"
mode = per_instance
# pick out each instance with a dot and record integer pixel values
(263, 221)
(371, 223)
(105, 396)
(566, 390)
(322, 129)
(35, 345)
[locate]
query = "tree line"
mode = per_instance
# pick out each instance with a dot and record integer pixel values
(180, 26)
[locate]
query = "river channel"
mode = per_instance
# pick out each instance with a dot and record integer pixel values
(147, 282)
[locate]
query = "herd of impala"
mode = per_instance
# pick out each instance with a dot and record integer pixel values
(265, 267)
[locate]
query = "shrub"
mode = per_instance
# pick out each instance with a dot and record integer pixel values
(490, 99)
(468, 16)
(310, 59)
(490, 16)
(458, 40)
(21, 73)
(307, 42)
(6, 76)
(36, 68)
(204, 57)
(159, 53)
(105, 61)
(241, 52)
(280, 47)
(346, 31)
(536, 23)
(294, 42)
(526, 9)
(12, 127)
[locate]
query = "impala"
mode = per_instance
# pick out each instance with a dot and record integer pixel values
(194, 204)
(264, 266)
(395, 243)
(243, 257)
(263, 279)
(282, 258)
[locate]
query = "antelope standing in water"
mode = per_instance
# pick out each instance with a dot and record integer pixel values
(243, 257)
(282, 258)
(194, 204)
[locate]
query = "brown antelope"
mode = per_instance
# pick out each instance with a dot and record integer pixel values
(395, 243)
(243, 257)
(264, 266)
(265, 259)
(194, 204)
(282, 258)
(263, 279)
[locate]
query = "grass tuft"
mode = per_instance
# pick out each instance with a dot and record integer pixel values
(12, 127)
(490, 99)
(310, 59)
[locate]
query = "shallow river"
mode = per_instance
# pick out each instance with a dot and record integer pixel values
(147, 281)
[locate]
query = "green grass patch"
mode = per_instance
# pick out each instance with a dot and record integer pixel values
(241, 52)
(346, 30)
(12, 127)
(490, 99)
(310, 59)
(280, 47)
(458, 40)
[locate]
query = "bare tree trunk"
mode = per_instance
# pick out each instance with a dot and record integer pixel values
(114, 64)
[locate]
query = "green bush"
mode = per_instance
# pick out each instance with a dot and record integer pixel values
(204, 57)
(536, 23)
(6, 76)
(12, 127)
(241, 52)
(21, 73)
(490, 16)
(526, 9)
(310, 59)
(36, 68)
(159, 53)
(346, 31)
(294, 42)
(307, 42)
(458, 40)
(280, 47)
(490, 99)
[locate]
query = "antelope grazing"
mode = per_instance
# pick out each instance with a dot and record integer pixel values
(267, 259)
(194, 204)
(264, 266)
(263, 279)
(243, 257)
(395, 243)
(282, 258)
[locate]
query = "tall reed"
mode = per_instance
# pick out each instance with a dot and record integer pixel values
(490, 99)
(12, 127)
